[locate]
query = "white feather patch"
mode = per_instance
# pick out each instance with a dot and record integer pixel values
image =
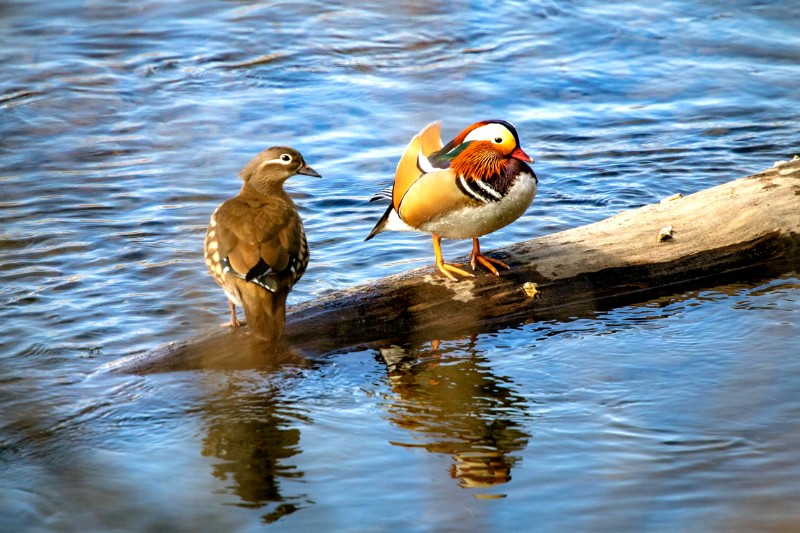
(424, 163)
(467, 188)
(491, 191)
(394, 223)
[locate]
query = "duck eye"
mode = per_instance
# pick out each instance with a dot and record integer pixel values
(286, 157)
(498, 140)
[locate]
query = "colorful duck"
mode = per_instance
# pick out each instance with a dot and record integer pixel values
(476, 184)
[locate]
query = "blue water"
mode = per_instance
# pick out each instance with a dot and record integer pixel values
(124, 124)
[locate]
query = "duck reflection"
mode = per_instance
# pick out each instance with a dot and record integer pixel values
(454, 404)
(252, 433)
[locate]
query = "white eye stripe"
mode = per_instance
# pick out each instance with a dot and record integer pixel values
(276, 160)
(489, 132)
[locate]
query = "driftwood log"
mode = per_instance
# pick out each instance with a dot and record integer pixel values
(746, 227)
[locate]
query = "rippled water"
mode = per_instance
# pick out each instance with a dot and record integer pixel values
(122, 126)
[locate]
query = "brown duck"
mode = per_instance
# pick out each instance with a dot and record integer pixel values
(255, 246)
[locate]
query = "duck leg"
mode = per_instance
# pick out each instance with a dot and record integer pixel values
(475, 257)
(445, 268)
(234, 322)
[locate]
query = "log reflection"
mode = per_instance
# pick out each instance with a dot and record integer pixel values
(452, 403)
(251, 433)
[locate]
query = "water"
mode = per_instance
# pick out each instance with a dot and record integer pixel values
(122, 126)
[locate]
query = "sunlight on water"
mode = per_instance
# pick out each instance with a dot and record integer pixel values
(123, 125)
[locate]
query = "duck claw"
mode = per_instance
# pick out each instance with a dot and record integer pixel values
(232, 324)
(486, 262)
(448, 270)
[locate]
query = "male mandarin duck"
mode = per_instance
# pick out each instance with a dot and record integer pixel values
(476, 184)
(255, 246)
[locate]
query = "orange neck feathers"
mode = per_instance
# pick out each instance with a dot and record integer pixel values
(478, 161)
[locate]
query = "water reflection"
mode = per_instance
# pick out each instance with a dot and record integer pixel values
(123, 125)
(452, 403)
(251, 432)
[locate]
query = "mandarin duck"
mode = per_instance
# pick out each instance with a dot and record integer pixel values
(476, 184)
(255, 246)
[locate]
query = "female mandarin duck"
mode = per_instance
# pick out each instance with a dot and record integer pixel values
(255, 246)
(476, 184)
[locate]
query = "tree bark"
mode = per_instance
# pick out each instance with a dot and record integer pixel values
(743, 227)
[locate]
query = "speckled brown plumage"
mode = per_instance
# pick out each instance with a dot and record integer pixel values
(255, 246)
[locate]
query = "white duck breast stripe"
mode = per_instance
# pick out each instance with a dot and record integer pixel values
(466, 189)
(479, 190)
(489, 189)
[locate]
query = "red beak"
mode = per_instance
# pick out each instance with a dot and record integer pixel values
(522, 156)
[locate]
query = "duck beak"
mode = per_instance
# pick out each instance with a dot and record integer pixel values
(522, 156)
(308, 171)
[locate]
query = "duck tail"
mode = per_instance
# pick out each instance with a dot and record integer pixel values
(380, 227)
(265, 311)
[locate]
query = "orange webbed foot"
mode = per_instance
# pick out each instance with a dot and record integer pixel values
(448, 270)
(486, 262)
(475, 257)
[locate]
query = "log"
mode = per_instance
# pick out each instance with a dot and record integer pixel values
(746, 227)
